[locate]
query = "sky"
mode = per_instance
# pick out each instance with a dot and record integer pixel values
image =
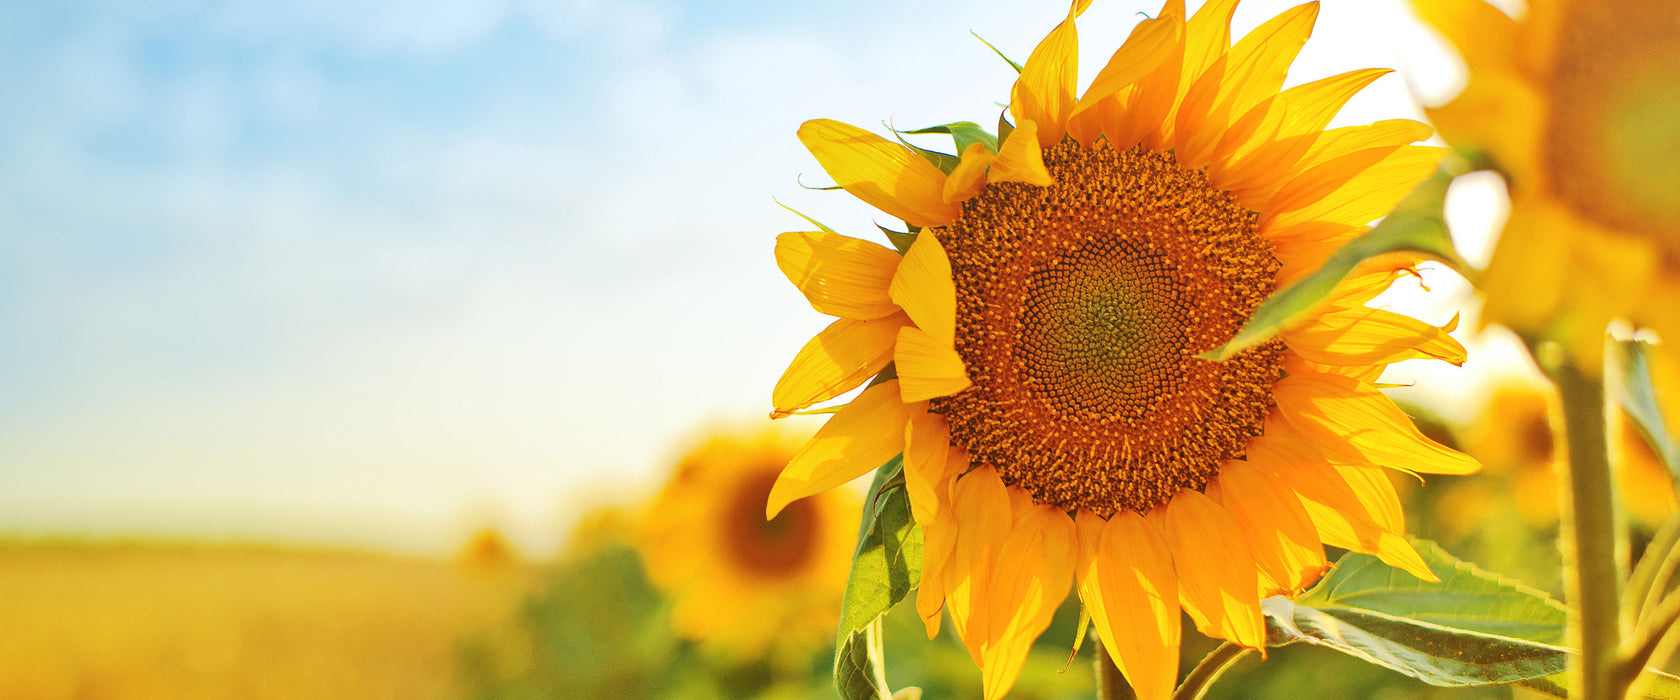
(374, 273)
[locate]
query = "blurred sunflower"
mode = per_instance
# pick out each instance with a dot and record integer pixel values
(1513, 436)
(1034, 349)
(1575, 104)
(741, 583)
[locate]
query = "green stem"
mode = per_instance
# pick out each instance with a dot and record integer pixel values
(1592, 540)
(1201, 677)
(1111, 684)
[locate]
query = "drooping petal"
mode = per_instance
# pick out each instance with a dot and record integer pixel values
(1218, 583)
(1366, 336)
(1020, 159)
(885, 174)
(836, 361)
(840, 275)
(1128, 584)
(939, 537)
(862, 436)
(1280, 534)
(1327, 408)
(927, 453)
(1033, 572)
(1043, 94)
(923, 288)
(981, 506)
(926, 367)
(969, 177)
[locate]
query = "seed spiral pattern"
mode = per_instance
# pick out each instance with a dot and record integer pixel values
(1080, 309)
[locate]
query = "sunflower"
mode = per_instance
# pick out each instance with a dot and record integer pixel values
(1034, 350)
(740, 583)
(1575, 105)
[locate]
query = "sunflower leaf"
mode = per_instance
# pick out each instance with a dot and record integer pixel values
(1472, 628)
(963, 134)
(885, 567)
(1415, 226)
(1638, 398)
(860, 667)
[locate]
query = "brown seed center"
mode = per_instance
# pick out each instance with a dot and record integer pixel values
(1080, 310)
(774, 548)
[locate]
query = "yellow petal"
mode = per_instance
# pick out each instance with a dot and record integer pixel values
(1152, 41)
(1280, 534)
(1020, 159)
(1218, 584)
(1376, 492)
(1340, 515)
(836, 361)
(1481, 33)
(969, 177)
(1032, 575)
(1330, 409)
(1043, 94)
(862, 436)
(1366, 336)
(939, 536)
(1248, 161)
(927, 453)
(840, 275)
(1253, 72)
(1128, 584)
(926, 367)
(1140, 113)
(1362, 191)
(885, 174)
(980, 503)
(923, 288)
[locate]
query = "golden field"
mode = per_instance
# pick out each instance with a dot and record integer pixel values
(140, 621)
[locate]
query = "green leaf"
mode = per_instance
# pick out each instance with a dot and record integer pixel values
(1472, 628)
(886, 566)
(963, 134)
(860, 668)
(1415, 225)
(1012, 64)
(1638, 398)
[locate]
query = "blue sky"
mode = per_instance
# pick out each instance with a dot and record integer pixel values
(374, 271)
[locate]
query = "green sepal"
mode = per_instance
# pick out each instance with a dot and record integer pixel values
(886, 566)
(802, 215)
(1011, 62)
(900, 240)
(963, 135)
(1004, 127)
(798, 181)
(1473, 628)
(1415, 226)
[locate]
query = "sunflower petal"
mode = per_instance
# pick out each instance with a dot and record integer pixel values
(836, 361)
(1248, 160)
(1127, 582)
(968, 179)
(840, 275)
(1020, 159)
(1327, 408)
(1030, 580)
(1152, 41)
(1352, 190)
(1281, 535)
(1254, 71)
(939, 537)
(862, 436)
(980, 503)
(1044, 93)
(885, 174)
(927, 368)
(927, 453)
(1218, 584)
(1366, 336)
(923, 288)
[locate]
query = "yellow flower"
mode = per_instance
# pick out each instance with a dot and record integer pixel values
(742, 584)
(1576, 105)
(1513, 436)
(1043, 328)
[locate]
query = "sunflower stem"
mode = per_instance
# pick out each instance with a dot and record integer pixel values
(1591, 537)
(1111, 684)
(1208, 670)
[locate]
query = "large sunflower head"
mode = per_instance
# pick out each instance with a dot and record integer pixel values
(1035, 349)
(1575, 104)
(740, 583)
